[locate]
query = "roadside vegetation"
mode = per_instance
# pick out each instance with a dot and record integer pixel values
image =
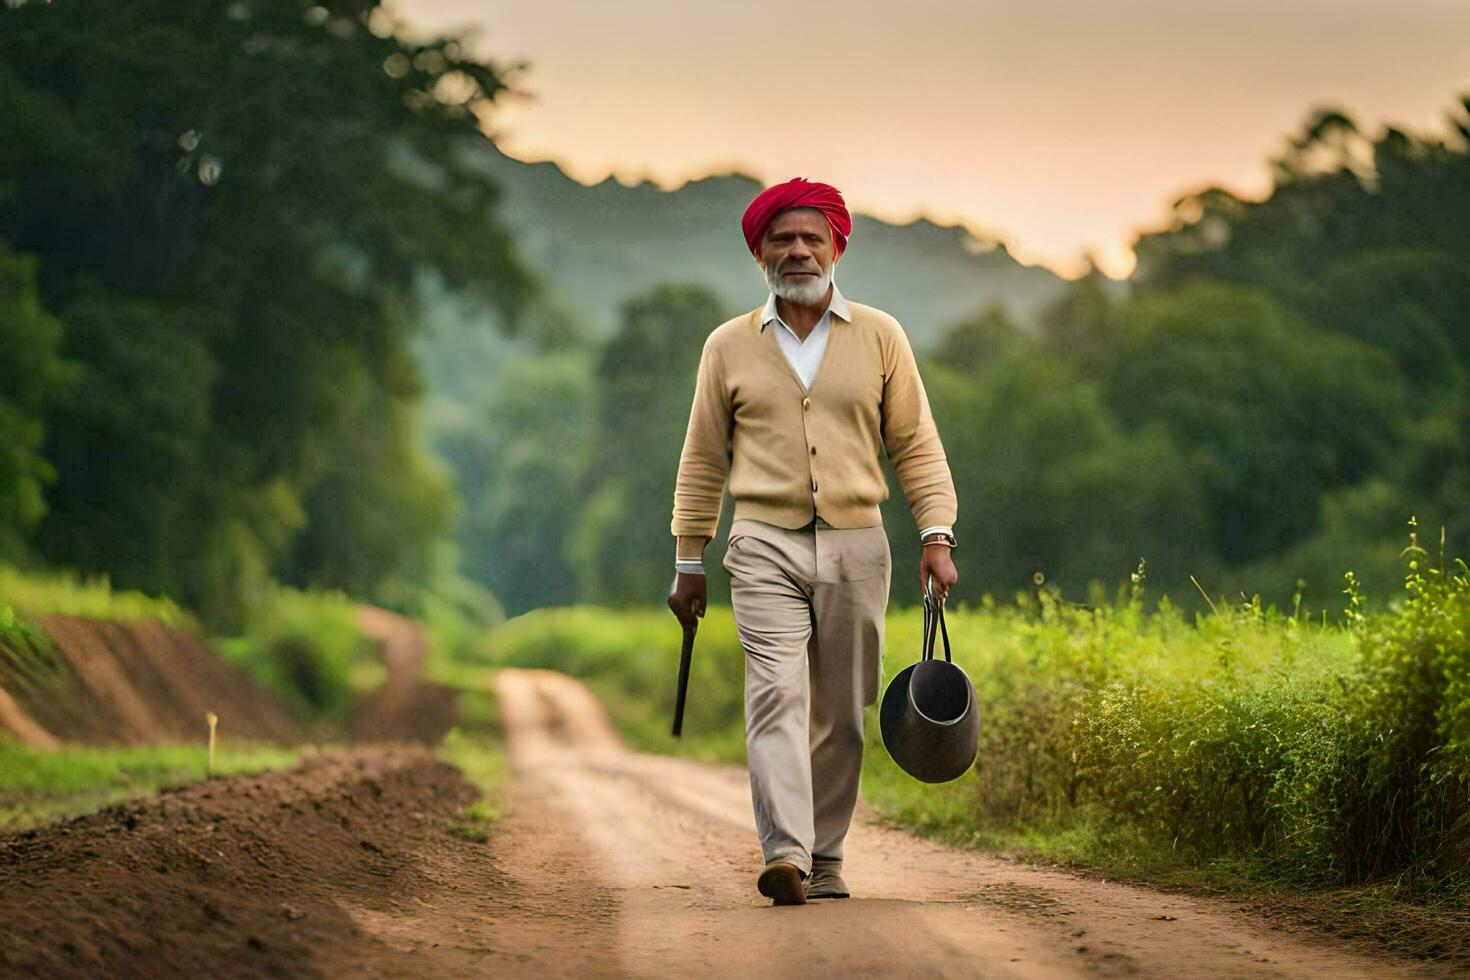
(39, 786)
(480, 755)
(42, 593)
(1245, 749)
(304, 647)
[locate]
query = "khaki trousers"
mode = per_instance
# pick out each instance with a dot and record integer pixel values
(809, 606)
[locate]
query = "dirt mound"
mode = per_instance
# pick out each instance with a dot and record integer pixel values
(133, 682)
(406, 708)
(263, 875)
(414, 711)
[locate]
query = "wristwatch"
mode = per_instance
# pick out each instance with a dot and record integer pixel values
(948, 539)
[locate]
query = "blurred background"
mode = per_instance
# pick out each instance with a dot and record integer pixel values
(405, 300)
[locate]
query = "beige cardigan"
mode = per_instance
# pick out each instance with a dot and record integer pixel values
(789, 452)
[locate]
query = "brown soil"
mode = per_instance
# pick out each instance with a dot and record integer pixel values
(406, 708)
(609, 863)
(141, 682)
(673, 843)
(278, 874)
(131, 683)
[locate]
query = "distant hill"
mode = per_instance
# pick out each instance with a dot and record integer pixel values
(599, 245)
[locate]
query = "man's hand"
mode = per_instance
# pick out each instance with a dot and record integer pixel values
(687, 597)
(936, 561)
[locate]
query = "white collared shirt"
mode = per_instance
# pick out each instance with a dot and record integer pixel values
(805, 356)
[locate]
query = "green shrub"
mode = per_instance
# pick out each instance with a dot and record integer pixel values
(631, 659)
(306, 648)
(1391, 792)
(41, 593)
(1250, 739)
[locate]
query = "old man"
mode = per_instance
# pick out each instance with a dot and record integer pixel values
(792, 403)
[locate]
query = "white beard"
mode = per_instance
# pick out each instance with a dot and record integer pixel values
(801, 291)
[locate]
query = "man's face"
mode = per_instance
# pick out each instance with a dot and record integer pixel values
(797, 255)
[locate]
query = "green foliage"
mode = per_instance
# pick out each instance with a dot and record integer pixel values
(37, 787)
(306, 648)
(645, 381)
(1247, 740)
(129, 443)
(1392, 792)
(37, 594)
(234, 205)
(1050, 483)
(377, 497)
(27, 655)
(519, 461)
(31, 375)
(969, 345)
(458, 615)
(631, 659)
(559, 465)
(1407, 302)
(1364, 237)
(1270, 412)
(480, 755)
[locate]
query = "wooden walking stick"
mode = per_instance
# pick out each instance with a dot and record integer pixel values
(686, 654)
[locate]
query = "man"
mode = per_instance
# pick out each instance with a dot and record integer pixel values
(791, 404)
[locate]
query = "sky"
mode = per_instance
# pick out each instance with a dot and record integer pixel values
(1062, 127)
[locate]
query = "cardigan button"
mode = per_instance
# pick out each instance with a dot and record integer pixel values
(814, 450)
(806, 403)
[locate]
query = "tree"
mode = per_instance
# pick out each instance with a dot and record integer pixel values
(1272, 411)
(520, 461)
(32, 376)
(1049, 482)
(233, 202)
(645, 381)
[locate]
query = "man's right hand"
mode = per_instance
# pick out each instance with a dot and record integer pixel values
(687, 598)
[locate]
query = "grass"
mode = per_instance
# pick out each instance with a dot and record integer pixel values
(630, 658)
(40, 594)
(37, 787)
(306, 649)
(1246, 750)
(476, 747)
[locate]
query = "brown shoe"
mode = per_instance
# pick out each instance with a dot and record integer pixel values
(781, 883)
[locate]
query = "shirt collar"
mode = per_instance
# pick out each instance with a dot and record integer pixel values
(837, 307)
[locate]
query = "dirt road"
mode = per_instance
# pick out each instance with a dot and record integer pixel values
(672, 847)
(609, 863)
(407, 707)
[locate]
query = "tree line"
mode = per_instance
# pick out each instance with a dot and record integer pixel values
(223, 226)
(1281, 388)
(214, 217)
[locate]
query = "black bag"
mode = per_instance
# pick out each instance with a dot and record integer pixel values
(929, 718)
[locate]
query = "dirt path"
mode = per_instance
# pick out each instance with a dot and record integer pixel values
(609, 863)
(671, 847)
(407, 707)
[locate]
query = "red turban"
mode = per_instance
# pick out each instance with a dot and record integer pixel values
(797, 193)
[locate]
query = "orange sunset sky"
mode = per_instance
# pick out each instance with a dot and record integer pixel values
(1061, 126)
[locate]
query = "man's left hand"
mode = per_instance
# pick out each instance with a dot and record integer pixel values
(937, 562)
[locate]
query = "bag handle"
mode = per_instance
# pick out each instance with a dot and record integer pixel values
(934, 613)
